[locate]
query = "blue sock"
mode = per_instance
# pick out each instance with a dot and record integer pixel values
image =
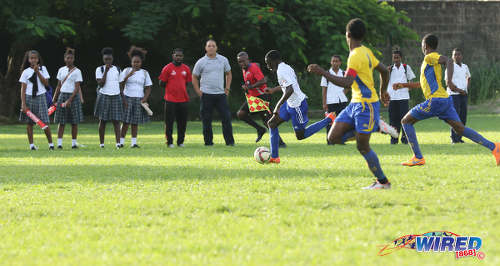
(411, 136)
(348, 135)
(310, 130)
(477, 138)
(374, 165)
(275, 142)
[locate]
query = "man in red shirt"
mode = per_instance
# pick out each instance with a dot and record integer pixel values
(255, 85)
(175, 76)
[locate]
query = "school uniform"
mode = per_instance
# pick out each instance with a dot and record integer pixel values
(37, 103)
(399, 99)
(72, 114)
(336, 100)
(109, 104)
(461, 74)
(134, 113)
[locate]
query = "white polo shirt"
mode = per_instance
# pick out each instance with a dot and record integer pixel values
(287, 77)
(334, 93)
(69, 85)
(27, 74)
(112, 85)
(460, 76)
(134, 87)
(399, 75)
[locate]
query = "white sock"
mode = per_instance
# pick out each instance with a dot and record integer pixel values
(134, 141)
(32, 145)
(102, 145)
(51, 144)
(59, 142)
(122, 141)
(73, 142)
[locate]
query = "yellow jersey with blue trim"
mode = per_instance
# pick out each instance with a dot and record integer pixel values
(431, 75)
(360, 65)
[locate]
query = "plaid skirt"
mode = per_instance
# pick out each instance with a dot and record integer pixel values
(108, 107)
(73, 114)
(135, 113)
(38, 106)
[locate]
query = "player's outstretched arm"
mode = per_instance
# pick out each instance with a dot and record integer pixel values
(384, 76)
(344, 82)
(283, 99)
(409, 85)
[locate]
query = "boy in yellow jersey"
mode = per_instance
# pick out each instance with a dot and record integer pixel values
(361, 117)
(437, 102)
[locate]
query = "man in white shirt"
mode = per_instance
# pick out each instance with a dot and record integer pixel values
(399, 99)
(334, 99)
(461, 79)
(291, 106)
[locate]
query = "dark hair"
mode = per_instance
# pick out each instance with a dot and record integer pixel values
(397, 52)
(177, 50)
(242, 53)
(273, 55)
(431, 41)
(69, 51)
(26, 64)
(107, 51)
(337, 56)
(457, 50)
(356, 27)
(137, 51)
(210, 40)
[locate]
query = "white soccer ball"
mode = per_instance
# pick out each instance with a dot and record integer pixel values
(262, 155)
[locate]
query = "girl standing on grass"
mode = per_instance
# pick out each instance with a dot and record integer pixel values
(34, 78)
(69, 102)
(135, 84)
(108, 105)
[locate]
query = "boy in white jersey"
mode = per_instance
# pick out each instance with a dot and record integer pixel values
(292, 105)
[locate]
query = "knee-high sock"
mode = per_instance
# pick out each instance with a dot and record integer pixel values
(348, 135)
(374, 165)
(310, 130)
(477, 138)
(275, 142)
(411, 136)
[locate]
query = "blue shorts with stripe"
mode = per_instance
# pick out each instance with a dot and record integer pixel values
(298, 115)
(364, 117)
(440, 107)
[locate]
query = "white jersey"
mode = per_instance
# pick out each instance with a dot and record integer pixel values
(286, 78)
(69, 85)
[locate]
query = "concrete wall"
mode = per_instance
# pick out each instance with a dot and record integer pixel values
(473, 26)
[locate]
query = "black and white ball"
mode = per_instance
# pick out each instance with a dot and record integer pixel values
(262, 155)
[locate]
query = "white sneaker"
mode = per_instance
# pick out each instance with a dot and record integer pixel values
(377, 185)
(387, 129)
(181, 145)
(171, 145)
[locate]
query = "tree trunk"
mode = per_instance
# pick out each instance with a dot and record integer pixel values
(9, 85)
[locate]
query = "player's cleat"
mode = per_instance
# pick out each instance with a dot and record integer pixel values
(387, 129)
(378, 185)
(59, 147)
(74, 147)
(260, 133)
(332, 116)
(34, 148)
(51, 148)
(496, 153)
(171, 145)
(274, 160)
(134, 146)
(414, 162)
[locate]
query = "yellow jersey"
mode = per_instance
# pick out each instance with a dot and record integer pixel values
(360, 65)
(431, 75)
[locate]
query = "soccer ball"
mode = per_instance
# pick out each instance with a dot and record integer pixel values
(262, 155)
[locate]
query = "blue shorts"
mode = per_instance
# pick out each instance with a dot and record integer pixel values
(297, 114)
(439, 107)
(363, 117)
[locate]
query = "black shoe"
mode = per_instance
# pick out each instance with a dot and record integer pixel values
(209, 144)
(461, 141)
(59, 147)
(260, 133)
(34, 148)
(230, 144)
(51, 148)
(282, 145)
(135, 146)
(74, 147)
(121, 145)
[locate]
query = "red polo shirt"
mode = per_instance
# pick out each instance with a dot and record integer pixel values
(251, 75)
(176, 78)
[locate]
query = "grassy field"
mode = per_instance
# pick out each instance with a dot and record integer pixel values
(215, 205)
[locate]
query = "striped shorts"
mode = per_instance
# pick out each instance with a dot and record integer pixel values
(298, 115)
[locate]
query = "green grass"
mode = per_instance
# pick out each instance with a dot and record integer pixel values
(216, 205)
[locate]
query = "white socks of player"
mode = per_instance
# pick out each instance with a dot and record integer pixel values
(51, 145)
(122, 141)
(134, 141)
(59, 142)
(74, 143)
